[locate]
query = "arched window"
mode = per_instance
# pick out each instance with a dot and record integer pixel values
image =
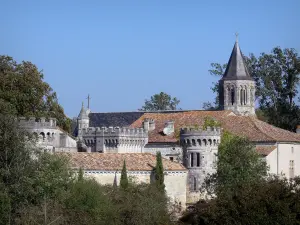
(204, 142)
(194, 142)
(232, 96)
(241, 96)
(245, 97)
(210, 142)
(188, 142)
(199, 142)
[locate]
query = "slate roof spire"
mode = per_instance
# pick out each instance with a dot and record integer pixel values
(83, 114)
(236, 67)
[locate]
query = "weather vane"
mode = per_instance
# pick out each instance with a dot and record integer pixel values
(236, 36)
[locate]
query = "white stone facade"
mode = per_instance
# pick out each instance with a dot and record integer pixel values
(175, 181)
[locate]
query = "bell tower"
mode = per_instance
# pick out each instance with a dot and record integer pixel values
(237, 87)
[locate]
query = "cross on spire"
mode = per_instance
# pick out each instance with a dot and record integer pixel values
(236, 36)
(88, 98)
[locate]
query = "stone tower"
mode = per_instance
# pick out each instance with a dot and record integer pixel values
(237, 87)
(82, 120)
(200, 148)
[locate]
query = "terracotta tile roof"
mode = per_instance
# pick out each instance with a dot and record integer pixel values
(248, 126)
(114, 161)
(265, 150)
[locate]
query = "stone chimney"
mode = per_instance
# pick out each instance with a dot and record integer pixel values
(151, 125)
(146, 124)
(298, 129)
(169, 128)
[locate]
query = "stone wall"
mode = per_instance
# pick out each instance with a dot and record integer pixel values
(175, 181)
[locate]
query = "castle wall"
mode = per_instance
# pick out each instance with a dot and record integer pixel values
(115, 140)
(172, 152)
(175, 181)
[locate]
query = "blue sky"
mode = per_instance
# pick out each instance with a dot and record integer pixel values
(122, 52)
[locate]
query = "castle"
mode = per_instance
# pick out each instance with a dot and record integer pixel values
(104, 140)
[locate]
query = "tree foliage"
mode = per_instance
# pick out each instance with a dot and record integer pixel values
(238, 165)
(24, 93)
(161, 101)
(277, 76)
(159, 172)
(265, 202)
(124, 178)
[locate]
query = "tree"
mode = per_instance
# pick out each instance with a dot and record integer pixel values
(31, 180)
(159, 172)
(276, 75)
(265, 202)
(238, 165)
(24, 93)
(124, 178)
(161, 101)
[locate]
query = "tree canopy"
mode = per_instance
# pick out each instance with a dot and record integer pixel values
(277, 76)
(23, 92)
(161, 101)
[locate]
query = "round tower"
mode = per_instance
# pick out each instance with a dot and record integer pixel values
(200, 148)
(82, 120)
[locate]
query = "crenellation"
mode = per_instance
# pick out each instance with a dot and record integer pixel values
(37, 123)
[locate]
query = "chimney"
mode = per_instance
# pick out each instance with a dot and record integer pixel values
(298, 129)
(151, 125)
(169, 128)
(146, 124)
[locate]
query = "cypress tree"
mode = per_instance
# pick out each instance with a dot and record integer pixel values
(159, 172)
(124, 178)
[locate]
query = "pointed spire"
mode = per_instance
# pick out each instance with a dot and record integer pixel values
(236, 68)
(83, 114)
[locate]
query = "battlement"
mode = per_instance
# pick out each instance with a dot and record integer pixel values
(209, 131)
(37, 123)
(114, 131)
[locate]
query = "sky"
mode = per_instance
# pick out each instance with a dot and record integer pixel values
(123, 52)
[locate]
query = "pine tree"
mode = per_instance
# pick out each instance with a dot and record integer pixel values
(159, 172)
(124, 178)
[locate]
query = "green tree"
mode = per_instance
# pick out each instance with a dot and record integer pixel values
(159, 172)
(238, 165)
(276, 75)
(24, 93)
(265, 202)
(124, 178)
(161, 101)
(30, 179)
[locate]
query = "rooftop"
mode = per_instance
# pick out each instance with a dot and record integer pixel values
(114, 161)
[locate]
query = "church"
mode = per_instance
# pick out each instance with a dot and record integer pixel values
(102, 141)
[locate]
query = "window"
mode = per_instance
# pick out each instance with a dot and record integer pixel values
(232, 96)
(192, 159)
(172, 159)
(291, 169)
(198, 159)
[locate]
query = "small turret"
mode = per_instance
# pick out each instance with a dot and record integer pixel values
(82, 120)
